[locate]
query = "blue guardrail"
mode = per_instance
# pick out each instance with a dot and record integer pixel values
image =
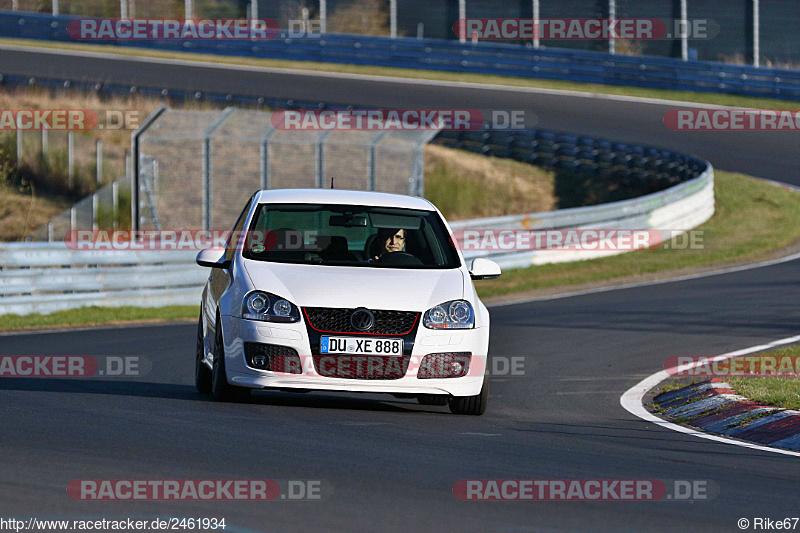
(445, 55)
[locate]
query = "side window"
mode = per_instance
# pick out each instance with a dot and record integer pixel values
(230, 247)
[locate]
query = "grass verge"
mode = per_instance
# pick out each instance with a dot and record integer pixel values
(456, 182)
(753, 219)
(97, 316)
(783, 392)
(683, 96)
(23, 212)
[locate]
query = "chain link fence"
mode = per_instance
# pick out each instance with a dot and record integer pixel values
(74, 164)
(198, 168)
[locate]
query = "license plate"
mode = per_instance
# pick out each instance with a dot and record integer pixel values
(366, 346)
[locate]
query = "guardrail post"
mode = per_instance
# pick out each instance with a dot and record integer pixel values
(684, 32)
(44, 142)
(264, 156)
(462, 24)
(94, 211)
(14, 5)
(114, 203)
(217, 122)
(55, 8)
(253, 12)
(189, 12)
(123, 9)
(73, 218)
(371, 158)
(323, 16)
(19, 146)
(319, 154)
(536, 23)
(133, 168)
(393, 19)
(50, 231)
(416, 186)
(756, 34)
(99, 161)
(71, 158)
(612, 14)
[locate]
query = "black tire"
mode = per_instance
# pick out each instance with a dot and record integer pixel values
(472, 405)
(202, 375)
(433, 399)
(221, 390)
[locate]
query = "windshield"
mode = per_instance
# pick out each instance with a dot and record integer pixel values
(348, 235)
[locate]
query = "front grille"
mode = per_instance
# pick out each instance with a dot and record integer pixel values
(272, 357)
(361, 366)
(332, 320)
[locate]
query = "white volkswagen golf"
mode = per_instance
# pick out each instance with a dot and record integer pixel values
(344, 291)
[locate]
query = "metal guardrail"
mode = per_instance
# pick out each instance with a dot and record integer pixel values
(680, 187)
(677, 209)
(47, 277)
(482, 57)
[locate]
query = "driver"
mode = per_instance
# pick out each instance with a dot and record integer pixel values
(391, 240)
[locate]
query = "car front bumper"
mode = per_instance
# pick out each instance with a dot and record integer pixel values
(237, 331)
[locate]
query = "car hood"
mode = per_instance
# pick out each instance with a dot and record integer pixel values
(351, 287)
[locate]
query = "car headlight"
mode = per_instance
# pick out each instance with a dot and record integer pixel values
(269, 308)
(456, 314)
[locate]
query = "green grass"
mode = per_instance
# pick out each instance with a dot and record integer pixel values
(783, 392)
(684, 96)
(93, 316)
(752, 219)
(676, 384)
(457, 182)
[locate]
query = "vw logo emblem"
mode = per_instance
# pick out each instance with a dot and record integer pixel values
(362, 319)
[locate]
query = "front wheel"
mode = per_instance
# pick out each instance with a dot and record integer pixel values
(221, 390)
(472, 405)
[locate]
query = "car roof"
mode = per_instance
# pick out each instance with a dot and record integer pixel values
(341, 197)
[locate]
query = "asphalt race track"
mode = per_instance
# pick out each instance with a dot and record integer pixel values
(391, 463)
(773, 155)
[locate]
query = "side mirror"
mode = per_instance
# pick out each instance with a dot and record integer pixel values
(213, 258)
(484, 269)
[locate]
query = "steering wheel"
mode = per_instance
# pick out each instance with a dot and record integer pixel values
(399, 258)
